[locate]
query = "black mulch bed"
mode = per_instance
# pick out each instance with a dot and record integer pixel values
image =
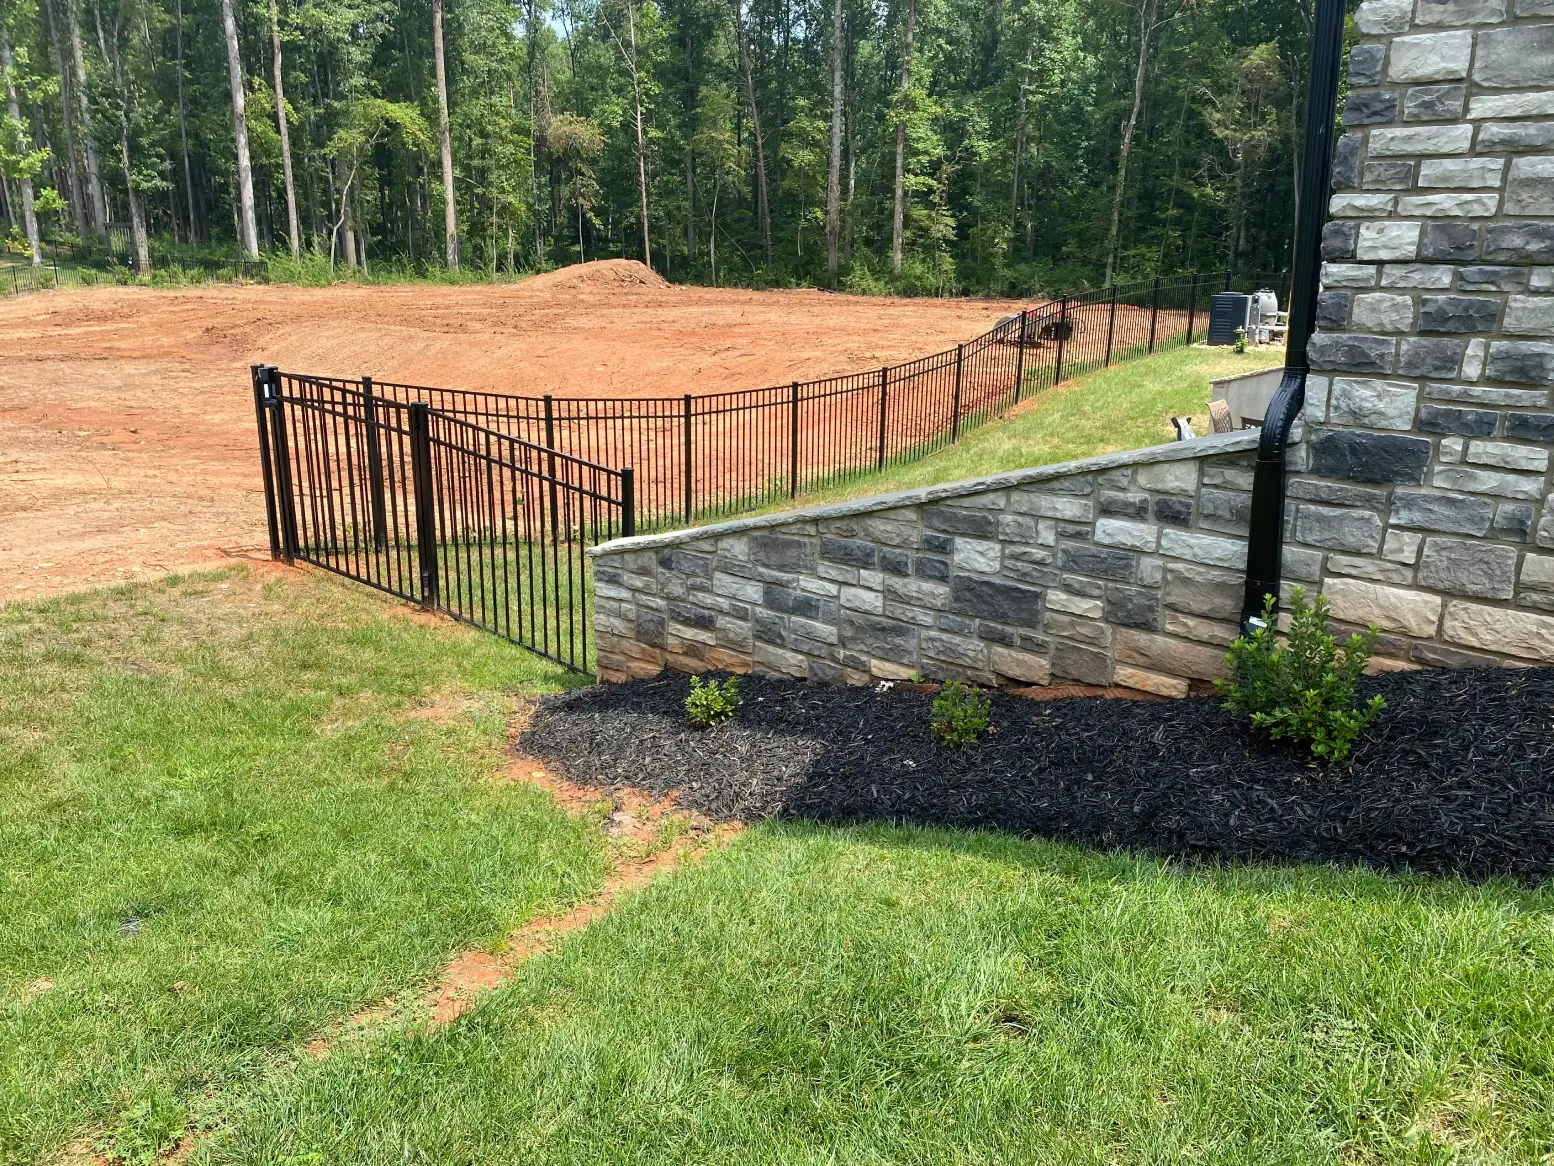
(1455, 777)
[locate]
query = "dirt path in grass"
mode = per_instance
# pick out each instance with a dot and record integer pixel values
(127, 444)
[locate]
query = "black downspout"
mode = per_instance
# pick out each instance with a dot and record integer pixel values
(1265, 546)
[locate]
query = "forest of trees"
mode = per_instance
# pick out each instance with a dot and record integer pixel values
(915, 145)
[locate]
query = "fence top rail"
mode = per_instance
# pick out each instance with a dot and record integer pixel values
(532, 407)
(345, 386)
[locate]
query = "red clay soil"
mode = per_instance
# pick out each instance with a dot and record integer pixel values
(126, 418)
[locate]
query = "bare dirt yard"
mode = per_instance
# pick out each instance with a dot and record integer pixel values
(126, 417)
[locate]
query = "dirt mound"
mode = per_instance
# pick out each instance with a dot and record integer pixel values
(600, 273)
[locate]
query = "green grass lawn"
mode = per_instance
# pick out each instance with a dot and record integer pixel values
(233, 810)
(877, 995)
(1127, 406)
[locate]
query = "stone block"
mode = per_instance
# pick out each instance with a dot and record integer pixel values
(918, 592)
(1524, 243)
(782, 552)
(1337, 493)
(1365, 63)
(1429, 357)
(1371, 106)
(810, 630)
(1401, 546)
(1137, 607)
(1511, 104)
(1088, 631)
(1431, 276)
(1439, 656)
(1542, 279)
(1529, 315)
(1079, 605)
(1168, 656)
(1440, 56)
(1376, 17)
(1487, 482)
(1169, 477)
(1205, 631)
(1454, 242)
(977, 555)
(1481, 173)
(1392, 609)
(1342, 352)
(1388, 175)
(1098, 562)
(1332, 310)
(1380, 312)
(1530, 426)
(1018, 665)
(1530, 188)
(1456, 513)
(1538, 573)
(1460, 12)
(1434, 102)
(1125, 504)
(852, 552)
(1370, 457)
(1372, 403)
(1225, 510)
(1500, 630)
(996, 600)
(1084, 665)
(1461, 567)
(1453, 206)
(1450, 419)
(954, 649)
(1513, 520)
(773, 661)
(1334, 529)
(1376, 570)
(1069, 509)
(1360, 206)
(1491, 279)
(1339, 239)
(1146, 681)
(1508, 456)
(876, 636)
(1346, 161)
(1302, 564)
(1485, 394)
(1173, 511)
(861, 599)
(1458, 314)
(1133, 536)
(1512, 137)
(1203, 591)
(1204, 549)
(1359, 275)
(955, 520)
(1522, 362)
(1517, 57)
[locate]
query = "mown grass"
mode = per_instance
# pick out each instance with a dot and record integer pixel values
(234, 809)
(1124, 407)
(877, 995)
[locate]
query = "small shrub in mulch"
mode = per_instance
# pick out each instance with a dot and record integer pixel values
(1455, 777)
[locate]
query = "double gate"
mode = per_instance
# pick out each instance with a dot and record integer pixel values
(437, 510)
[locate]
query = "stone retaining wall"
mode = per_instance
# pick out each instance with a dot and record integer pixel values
(1124, 569)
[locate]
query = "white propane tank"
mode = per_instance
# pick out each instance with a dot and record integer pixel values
(1265, 307)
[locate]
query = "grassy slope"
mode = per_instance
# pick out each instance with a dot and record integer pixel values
(913, 996)
(213, 782)
(1125, 407)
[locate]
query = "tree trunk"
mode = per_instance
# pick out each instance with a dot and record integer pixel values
(898, 208)
(137, 211)
(636, 96)
(96, 206)
(690, 154)
(293, 230)
(247, 223)
(834, 171)
(450, 210)
(1019, 151)
(29, 213)
(78, 210)
(1127, 139)
(763, 206)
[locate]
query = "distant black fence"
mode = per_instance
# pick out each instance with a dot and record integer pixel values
(437, 510)
(688, 458)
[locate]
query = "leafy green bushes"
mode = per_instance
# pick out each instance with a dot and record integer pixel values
(961, 713)
(712, 701)
(1302, 690)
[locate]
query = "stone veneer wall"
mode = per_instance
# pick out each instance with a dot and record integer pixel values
(1124, 569)
(1425, 503)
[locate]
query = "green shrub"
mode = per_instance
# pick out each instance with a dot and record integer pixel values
(1303, 690)
(960, 714)
(712, 702)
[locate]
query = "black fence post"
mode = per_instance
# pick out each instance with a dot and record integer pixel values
(374, 466)
(1111, 327)
(1019, 360)
(1154, 315)
(1192, 309)
(550, 464)
(628, 503)
(1227, 279)
(793, 443)
(879, 463)
(960, 359)
(687, 443)
(261, 382)
(280, 443)
(425, 508)
(1057, 372)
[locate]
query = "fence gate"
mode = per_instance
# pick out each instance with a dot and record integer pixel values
(437, 510)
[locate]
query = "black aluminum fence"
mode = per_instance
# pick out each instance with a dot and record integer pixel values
(509, 480)
(437, 510)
